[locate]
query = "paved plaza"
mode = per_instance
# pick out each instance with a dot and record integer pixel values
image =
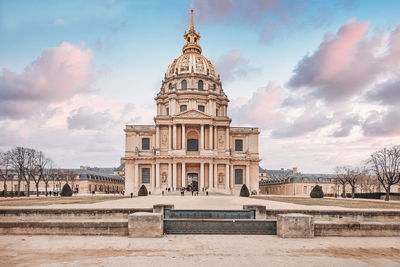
(197, 250)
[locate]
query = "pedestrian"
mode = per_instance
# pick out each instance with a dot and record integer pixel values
(206, 193)
(162, 193)
(131, 195)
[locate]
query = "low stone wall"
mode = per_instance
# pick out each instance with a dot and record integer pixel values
(67, 227)
(67, 214)
(342, 215)
(325, 228)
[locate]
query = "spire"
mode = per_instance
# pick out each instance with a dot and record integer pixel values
(191, 20)
(192, 38)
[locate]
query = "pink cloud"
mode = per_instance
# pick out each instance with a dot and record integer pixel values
(347, 63)
(56, 75)
(261, 110)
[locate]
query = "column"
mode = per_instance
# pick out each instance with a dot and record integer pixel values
(227, 138)
(175, 185)
(232, 174)
(227, 176)
(215, 175)
(202, 137)
(210, 137)
(201, 175)
(157, 137)
(210, 176)
(136, 175)
(169, 137)
(215, 138)
(174, 137)
(153, 176)
(158, 182)
(183, 174)
(248, 176)
(129, 178)
(169, 175)
(183, 137)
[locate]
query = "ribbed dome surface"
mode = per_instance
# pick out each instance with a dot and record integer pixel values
(191, 63)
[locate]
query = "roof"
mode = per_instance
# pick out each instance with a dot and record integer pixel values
(288, 176)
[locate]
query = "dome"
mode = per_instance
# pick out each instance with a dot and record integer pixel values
(191, 63)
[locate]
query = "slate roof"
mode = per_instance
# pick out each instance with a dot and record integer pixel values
(288, 176)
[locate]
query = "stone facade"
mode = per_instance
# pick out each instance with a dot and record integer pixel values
(192, 143)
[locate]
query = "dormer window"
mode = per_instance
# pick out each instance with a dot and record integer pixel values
(184, 85)
(201, 85)
(183, 108)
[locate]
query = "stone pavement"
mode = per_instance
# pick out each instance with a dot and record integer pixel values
(186, 202)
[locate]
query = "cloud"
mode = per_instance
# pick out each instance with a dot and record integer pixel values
(59, 22)
(56, 75)
(387, 93)
(85, 119)
(382, 124)
(232, 65)
(306, 123)
(347, 124)
(347, 63)
(274, 16)
(261, 109)
(210, 11)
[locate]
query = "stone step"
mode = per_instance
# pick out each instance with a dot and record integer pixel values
(340, 228)
(112, 227)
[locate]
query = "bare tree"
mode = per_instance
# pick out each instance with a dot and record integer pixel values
(19, 162)
(341, 178)
(368, 182)
(385, 164)
(5, 166)
(37, 163)
(49, 173)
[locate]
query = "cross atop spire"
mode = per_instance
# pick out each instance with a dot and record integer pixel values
(192, 38)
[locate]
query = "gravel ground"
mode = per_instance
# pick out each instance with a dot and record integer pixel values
(197, 250)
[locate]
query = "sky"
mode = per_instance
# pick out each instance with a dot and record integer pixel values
(320, 79)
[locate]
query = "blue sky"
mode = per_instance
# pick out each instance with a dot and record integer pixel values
(131, 44)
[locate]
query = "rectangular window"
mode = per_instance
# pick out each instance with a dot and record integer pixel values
(145, 143)
(192, 145)
(145, 175)
(238, 176)
(201, 108)
(238, 145)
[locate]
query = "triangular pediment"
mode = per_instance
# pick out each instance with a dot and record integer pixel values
(192, 114)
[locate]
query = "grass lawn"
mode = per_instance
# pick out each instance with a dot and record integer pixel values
(339, 202)
(45, 201)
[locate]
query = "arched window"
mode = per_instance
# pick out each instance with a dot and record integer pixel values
(189, 40)
(184, 85)
(170, 86)
(214, 87)
(195, 39)
(183, 108)
(201, 85)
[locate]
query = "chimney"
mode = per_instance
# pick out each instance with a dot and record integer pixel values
(294, 170)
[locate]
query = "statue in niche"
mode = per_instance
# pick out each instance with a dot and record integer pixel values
(164, 178)
(221, 141)
(220, 178)
(164, 139)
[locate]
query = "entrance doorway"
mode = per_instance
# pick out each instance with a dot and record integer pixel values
(193, 181)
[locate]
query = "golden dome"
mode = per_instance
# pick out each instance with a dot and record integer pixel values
(191, 61)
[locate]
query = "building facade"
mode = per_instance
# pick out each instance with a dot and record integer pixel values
(85, 180)
(192, 143)
(291, 182)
